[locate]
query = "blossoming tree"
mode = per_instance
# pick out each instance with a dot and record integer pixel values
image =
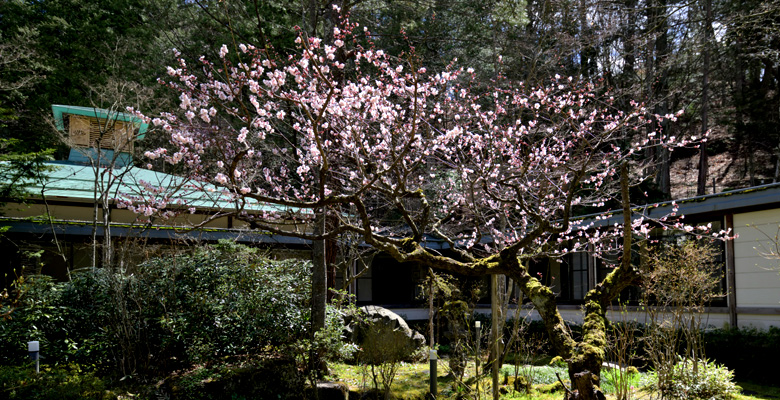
(398, 155)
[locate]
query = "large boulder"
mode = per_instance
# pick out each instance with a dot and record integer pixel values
(384, 336)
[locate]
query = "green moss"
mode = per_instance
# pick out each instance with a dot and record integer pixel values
(589, 353)
(537, 291)
(594, 326)
(408, 245)
(456, 308)
(486, 264)
(553, 387)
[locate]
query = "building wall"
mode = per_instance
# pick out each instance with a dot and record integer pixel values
(58, 211)
(711, 319)
(757, 278)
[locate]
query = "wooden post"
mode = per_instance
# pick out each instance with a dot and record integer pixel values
(431, 291)
(495, 337)
(731, 274)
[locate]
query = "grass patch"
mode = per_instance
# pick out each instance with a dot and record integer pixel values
(538, 375)
(412, 383)
(752, 390)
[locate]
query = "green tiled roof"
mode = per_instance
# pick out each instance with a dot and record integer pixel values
(76, 182)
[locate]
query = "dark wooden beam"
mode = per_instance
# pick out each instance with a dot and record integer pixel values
(731, 274)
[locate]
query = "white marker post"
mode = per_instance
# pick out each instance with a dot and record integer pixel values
(34, 349)
(433, 363)
(478, 326)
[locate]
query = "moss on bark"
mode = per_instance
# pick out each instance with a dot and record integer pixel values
(588, 354)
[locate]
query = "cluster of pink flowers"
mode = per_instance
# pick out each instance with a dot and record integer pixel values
(452, 158)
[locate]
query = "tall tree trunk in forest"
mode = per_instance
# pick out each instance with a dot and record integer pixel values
(701, 187)
(587, 50)
(629, 36)
(311, 16)
(657, 89)
(739, 112)
(662, 176)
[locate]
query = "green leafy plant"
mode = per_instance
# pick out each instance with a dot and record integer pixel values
(172, 312)
(681, 278)
(703, 379)
(623, 337)
(330, 340)
(382, 353)
(737, 348)
(62, 383)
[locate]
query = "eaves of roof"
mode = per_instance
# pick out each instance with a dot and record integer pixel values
(84, 229)
(740, 200)
(752, 198)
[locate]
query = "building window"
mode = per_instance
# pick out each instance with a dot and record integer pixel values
(580, 265)
(581, 271)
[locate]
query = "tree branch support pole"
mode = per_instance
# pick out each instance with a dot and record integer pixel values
(496, 282)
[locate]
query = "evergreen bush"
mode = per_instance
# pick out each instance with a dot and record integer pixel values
(172, 312)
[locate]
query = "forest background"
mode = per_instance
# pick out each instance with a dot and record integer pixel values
(717, 60)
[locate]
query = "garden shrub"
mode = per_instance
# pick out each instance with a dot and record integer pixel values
(384, 347)
(172, 312)
(703, 379)
(227, 300)
(36, 312)
(330, 341)
(275, 377)
(741, 349)
(64, 382)
(47, 312)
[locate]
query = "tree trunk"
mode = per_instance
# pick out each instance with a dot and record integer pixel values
(588, 354)
(108, 246)
(319, 290)
(701, 187)
(583, 389)
(431, 292)
(738, 99)
(318, 276)
(661, 93)
(312, 14)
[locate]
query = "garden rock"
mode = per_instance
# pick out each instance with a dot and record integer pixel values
(384, 336)
(331, 391)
